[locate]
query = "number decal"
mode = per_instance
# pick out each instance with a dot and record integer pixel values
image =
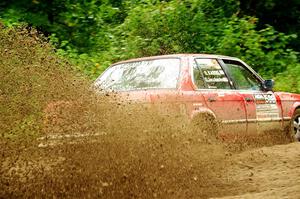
(266, 107)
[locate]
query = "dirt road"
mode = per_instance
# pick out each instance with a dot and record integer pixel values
(98, 169)
(268, 172)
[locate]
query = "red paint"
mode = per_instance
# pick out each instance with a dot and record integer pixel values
(226, 105)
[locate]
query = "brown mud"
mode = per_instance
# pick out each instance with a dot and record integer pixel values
(61, 140)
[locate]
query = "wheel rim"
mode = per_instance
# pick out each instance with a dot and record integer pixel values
(297, 127)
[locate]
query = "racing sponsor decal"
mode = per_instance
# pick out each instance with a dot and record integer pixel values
(266, 107)
(214, 72)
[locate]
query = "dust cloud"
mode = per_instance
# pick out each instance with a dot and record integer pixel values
(61, 139)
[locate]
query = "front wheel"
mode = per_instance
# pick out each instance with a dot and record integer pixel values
(295, 126)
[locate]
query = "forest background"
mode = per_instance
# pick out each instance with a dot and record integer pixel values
(92, 34)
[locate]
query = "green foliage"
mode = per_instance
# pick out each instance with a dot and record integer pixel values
(93, 34)
(284, 16)
(265, 50)
(184, 26)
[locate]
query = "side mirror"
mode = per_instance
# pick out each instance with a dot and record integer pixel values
(268, 84)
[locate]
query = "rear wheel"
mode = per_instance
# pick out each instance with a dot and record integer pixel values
(204, 127)
(295, 126)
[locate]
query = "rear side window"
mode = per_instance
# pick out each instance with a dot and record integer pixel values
(209, 74)
(160, 73)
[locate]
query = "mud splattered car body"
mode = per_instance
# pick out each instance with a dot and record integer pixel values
(224, 88)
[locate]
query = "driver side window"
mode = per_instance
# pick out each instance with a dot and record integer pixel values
(243, 79)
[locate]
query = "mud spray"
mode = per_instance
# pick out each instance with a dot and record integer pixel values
(61, 140)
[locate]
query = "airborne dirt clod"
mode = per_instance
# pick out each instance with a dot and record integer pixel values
(61, 140)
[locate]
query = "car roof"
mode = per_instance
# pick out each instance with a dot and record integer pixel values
(214, 56)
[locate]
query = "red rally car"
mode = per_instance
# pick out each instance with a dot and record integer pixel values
(223, 88)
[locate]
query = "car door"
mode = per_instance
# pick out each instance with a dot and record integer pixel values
(262, 108)
(225, 102)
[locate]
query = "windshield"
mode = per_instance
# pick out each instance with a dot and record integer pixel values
(159, 73)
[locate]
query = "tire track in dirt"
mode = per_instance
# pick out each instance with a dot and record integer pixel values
(267, 172)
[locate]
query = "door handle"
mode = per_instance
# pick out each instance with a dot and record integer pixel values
(248, 99)
(211, 99)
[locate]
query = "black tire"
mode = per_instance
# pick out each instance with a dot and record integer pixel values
(295, 126)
